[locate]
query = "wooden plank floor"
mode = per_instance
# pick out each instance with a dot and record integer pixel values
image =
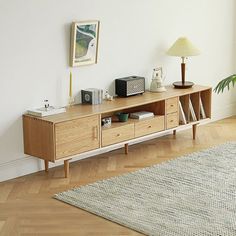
(27, 207)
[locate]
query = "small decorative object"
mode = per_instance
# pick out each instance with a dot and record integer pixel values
(157, 81)
(122, 117)
(183, 48)
(84, 43)
(46, 110)
(71, 98)
(106, 122)
(46, 104)
(108, 97)
(92, 96)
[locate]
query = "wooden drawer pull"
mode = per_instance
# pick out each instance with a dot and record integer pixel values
(171, 105)
(149, 126)
(117, 135)
(96, 132)
(171, 120)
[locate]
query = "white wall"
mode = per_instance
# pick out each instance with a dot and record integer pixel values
(134, 35)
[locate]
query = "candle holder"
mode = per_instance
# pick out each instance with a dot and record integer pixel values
(71, 98)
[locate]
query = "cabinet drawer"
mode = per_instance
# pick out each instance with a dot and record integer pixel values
(76, 136)
(117, 134)
(148, 126)
(171, 105)
(172, 120)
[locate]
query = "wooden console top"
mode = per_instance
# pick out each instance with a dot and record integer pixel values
(82, 110)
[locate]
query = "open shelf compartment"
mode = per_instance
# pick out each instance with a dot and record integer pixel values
(205, 99)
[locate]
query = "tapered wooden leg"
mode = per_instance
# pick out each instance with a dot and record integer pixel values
(46, 165)
(174, 132)
(194, 131)
(126, 148)
(66, 168)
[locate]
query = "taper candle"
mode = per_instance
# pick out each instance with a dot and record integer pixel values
(70, 92)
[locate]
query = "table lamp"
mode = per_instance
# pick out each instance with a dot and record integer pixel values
(183, 48)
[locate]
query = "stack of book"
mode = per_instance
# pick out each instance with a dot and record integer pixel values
(141, 115)
(41, 112)
(92, 96)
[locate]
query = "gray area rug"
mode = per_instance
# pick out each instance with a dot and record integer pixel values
(191, 195)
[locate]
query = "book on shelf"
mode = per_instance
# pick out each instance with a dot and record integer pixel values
(141, 115)
(41, 112)
(182, 117)
(202, 111)
(192, 112)
(92, 96)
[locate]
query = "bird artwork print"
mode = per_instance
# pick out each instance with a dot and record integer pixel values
(85, 43)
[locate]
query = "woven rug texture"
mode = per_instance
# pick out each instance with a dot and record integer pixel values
(193, 195)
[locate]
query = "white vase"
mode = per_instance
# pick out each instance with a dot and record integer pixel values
(157, 84)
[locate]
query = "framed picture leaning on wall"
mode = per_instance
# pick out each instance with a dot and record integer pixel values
(84, 43)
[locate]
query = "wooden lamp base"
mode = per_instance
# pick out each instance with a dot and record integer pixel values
(181, 85)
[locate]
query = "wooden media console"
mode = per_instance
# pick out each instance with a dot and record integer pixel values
(78, 130)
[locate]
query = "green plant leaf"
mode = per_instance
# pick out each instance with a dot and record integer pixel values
(225, 83)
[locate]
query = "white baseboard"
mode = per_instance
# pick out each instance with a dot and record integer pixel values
(224, 112)
(29, 164)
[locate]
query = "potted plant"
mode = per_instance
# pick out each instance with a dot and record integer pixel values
(225, 83)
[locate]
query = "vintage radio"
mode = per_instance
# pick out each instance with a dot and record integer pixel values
(128, 86)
